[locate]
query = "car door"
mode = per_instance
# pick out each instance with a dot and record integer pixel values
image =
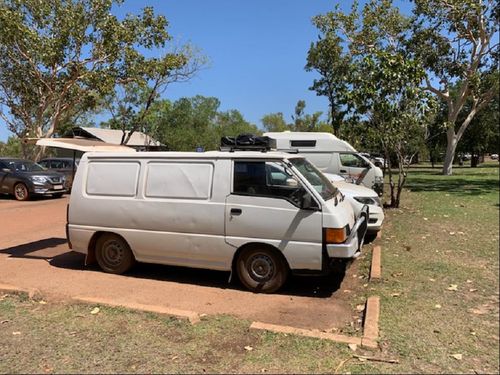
(263, 207)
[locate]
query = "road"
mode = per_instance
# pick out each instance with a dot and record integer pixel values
(34, 254)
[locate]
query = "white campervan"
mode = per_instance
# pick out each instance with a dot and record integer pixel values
(331, 155)
(257, 214)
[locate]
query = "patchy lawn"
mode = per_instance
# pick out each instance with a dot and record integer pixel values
(439, 306)
(440, 292)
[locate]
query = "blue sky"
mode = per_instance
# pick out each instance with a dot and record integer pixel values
(257, 51)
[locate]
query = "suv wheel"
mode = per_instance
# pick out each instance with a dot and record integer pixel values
(21, 192)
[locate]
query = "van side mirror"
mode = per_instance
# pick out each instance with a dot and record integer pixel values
(308, 203)
(6, 170)
(292, 182)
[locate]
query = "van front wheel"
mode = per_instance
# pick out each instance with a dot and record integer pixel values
(113, 254)
(261, 270)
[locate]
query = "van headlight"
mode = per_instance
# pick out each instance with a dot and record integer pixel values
(38, 180)
(374, 201)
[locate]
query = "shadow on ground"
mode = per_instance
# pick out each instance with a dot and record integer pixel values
(307, 286)
(462, 186)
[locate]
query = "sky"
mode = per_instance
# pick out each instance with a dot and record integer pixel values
(257, 51)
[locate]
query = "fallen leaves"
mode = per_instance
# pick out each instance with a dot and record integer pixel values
(437, 306)
(16, 333)
(248, 348)
(457, 356)
(95, 310)
(353, 347)
(360, 308)
(453, 287)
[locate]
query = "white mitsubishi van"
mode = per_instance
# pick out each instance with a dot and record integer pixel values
(258, 214)
(331, 155)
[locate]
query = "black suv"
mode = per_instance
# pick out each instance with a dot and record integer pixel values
(24, 178)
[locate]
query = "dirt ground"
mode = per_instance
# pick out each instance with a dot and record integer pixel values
(34, 254)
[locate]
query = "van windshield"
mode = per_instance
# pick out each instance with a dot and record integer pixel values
(322, 185)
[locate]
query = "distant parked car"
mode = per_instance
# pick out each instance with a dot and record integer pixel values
(24, 179)
(62, 165)
(494, 156)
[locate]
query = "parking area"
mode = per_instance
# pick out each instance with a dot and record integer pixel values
(34, 254)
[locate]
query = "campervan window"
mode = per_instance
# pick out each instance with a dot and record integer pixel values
(116, 179)
(179, 180)
(303, 143)
(353, 160)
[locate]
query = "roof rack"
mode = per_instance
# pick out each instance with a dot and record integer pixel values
(244, 148)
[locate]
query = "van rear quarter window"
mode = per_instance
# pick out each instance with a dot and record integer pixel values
(179, 180)
(112, 178)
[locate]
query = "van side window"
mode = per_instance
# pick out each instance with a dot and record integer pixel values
(352, 160)
(179, 180)
(267, 179)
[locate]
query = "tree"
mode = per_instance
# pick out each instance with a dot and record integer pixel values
(11, 148)
(454, 41)
(482, 134)
(326, 57)
(132, 100)
(274, 122)
(383, 82)
(301, 122)
(194, 122)
(59, 55)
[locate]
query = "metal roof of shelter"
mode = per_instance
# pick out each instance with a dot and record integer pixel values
(84, 145)
(114, 136)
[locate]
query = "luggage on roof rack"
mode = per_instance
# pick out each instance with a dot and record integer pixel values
(247, 142)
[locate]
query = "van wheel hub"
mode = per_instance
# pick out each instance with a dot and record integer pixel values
(261, 267)
(113, 253)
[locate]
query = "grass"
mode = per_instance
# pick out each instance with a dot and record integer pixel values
(445, 236)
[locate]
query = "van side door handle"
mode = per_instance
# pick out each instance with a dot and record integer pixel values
(343, 171)
(236, 211)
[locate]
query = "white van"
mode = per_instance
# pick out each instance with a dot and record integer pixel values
(359, 196)
(331, 155)
(258, 214)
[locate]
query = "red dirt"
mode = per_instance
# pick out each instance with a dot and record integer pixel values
(34, 254)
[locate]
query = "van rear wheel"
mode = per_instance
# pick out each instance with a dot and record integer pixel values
(260, 269)
(113, 254)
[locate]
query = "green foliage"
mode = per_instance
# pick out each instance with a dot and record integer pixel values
(381, 88)
(455, 43)
(193, 122)
(58, 55)
(301, 122)
(11, 148)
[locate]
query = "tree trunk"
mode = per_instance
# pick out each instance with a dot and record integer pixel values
(474, 160)
(451, 146)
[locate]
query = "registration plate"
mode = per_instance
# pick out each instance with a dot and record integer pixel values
(58, 187)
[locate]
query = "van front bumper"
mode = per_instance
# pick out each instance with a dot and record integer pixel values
(351, 248)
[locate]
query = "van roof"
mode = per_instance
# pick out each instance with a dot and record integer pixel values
(324, 141)
(194, 155)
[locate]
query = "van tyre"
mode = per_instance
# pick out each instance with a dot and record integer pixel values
(113, 254)
(21, 192)
(261, 269)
